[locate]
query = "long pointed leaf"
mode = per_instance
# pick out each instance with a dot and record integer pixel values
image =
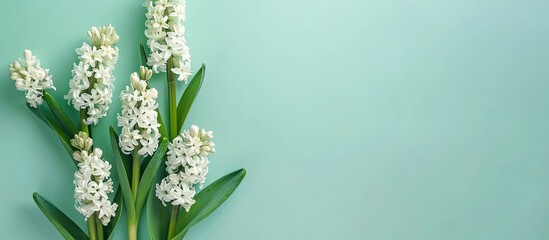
(144, 164)
(63, 137)
(39, 115)
(162, 128)
(66, 123)
(109, 229)
(65, 226)
(188, 97)
(52, 124)
(148, 176)
(208, 200)
(122, 176)
(143, 55)
(128, 163)
(158, 215)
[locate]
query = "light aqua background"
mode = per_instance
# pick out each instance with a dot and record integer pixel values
(355, 119)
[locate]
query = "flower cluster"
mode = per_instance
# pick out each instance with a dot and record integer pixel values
(91, 180)
(187, 166)
(91, 86)
(139, 119)
(166, 37)
(31, 78)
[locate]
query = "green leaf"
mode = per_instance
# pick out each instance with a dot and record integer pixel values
(188, 97)
(39, 115)
(144, 164)
(148, 176)
(109, 229)
(122, 176)
(63, 137)
(143, 55)
(128, 163)
(208, 200)
(158, 215)
(162, 128)
(51, 123)
(68, 125)
(65, 226)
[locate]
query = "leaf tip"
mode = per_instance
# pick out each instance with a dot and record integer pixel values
(36, 197)
(111, 130)
(202, 70)
(243, 172)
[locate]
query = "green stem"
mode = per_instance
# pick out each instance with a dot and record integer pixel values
(95, 229)
(173, 222)
(173, 134)
(136, 170)
(172, 100)
(84, 115)
(98, 226)
(91, 228)
(132, 230)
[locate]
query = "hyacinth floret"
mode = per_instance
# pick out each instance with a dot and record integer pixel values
(139, 118)
(92, 182)
(31, 78)
(187, 167)
(92, 83)
(166, 37)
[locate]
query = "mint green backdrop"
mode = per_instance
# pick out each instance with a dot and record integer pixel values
(355, 119)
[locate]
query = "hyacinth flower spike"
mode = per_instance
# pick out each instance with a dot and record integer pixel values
(91, 90)
(139, 138)
(92, 179)
(144, 145)
(188, 152)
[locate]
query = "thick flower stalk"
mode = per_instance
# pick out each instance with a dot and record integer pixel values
(139, 119)
(187, 166)
(166, 37)
(91, 86)
(92, 181)
(31, 78)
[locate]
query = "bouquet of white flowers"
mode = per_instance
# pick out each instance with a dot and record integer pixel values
(144, 141)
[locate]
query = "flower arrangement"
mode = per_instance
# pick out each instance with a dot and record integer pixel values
(175, 197)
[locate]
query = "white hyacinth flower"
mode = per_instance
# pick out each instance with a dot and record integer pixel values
(187, 165)
(92, 83)
(92, 182)
(166, 37)
(139, 119)
(31, 78)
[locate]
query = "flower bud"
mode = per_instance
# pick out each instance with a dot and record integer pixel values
(193, 131)
(77, 155)
(97, 152)
(28, 56)
(145, 73)
(82, 141)
(137, 83)
(15, 76)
